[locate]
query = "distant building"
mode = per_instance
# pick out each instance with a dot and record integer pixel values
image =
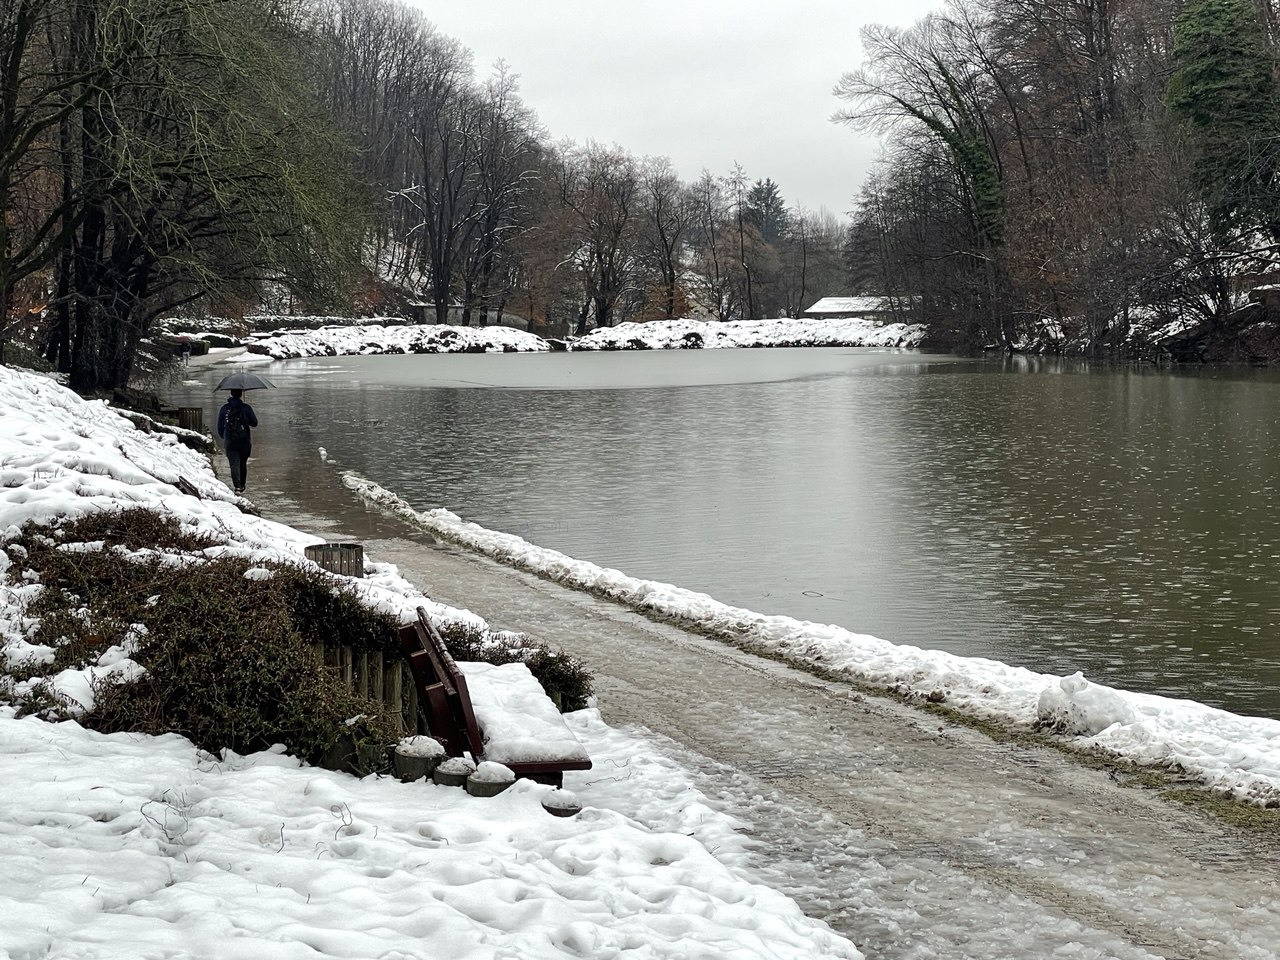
(424, 311)
(420, 311)
(1269, 296)
(840, 308)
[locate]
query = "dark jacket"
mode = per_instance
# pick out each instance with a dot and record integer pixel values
(250, 417)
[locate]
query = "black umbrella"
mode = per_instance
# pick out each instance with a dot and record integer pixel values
(243, 381)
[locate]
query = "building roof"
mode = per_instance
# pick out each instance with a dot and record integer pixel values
(832, 305)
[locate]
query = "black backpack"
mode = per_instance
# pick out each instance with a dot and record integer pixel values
(237, 427)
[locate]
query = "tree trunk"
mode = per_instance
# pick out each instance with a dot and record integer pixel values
(468, 298)
(5, 297)
(58, 349)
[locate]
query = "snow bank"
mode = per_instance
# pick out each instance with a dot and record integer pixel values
(656, 335)
(412, 338)
(702, 334)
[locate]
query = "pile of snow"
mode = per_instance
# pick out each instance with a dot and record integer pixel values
(700, 334)
(350, 340)
(421, 747)
(1236, 755)
(1076, 706)
(490, 771)
(342, 341)
(129, 845)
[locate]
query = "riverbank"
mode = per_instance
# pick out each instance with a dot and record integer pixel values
(124, 844)
(1239, 756)
(373, 338)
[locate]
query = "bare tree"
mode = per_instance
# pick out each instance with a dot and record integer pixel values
(667, 215)
(507, 160)
(746, 237)
(712, 271)
(599, 187)
(810, 260)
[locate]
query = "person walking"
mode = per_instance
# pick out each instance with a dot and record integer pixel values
(234, 422)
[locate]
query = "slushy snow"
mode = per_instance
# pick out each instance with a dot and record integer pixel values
(128, 845)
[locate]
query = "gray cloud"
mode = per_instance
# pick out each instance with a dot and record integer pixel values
(706, 83)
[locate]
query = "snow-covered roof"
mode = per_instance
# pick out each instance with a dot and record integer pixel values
(850, 305)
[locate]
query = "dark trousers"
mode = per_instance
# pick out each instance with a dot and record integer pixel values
(238, 460)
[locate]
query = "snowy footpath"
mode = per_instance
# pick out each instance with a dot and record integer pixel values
(914, 837)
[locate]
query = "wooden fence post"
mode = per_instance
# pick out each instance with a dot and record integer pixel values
(415, 715)
(393, 692)
(376, 673)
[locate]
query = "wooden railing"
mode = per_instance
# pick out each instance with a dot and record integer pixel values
(381, 676)
(421, 684)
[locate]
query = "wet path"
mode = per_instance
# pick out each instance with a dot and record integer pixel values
(913, 837)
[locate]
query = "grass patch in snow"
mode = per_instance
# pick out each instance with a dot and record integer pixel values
(226, 645)
(228, 659)
(1246, 816)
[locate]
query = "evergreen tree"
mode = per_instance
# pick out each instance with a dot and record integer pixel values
(1224, 87)
(766, 210)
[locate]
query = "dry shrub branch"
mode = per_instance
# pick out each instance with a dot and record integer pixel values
(229, 659)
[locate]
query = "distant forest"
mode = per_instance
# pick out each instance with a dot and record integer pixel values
(1085, 165)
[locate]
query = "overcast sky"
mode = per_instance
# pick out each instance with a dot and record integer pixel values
(705, 82)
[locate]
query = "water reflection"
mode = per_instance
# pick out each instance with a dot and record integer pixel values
(1060, 516)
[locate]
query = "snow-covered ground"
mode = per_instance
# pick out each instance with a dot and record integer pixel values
(130, 846)
(137, 846)
(685, 334)
(657, 335)
(337, 341)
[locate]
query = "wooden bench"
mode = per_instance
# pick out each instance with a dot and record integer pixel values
(445, 701)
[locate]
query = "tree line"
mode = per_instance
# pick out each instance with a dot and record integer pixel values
(1082, 164)
(154, 153)
(476, 207)
(218, 155)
